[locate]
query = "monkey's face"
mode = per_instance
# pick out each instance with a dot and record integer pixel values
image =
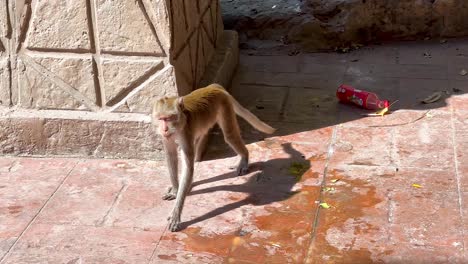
(168, 116)
(169, 125)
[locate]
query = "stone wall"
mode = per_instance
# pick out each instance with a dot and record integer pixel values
(77, 77)
(313, 25)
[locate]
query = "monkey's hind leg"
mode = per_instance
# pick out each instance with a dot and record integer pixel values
(232, 136)
(200, 145)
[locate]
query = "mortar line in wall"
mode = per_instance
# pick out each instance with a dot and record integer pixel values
(77, 54)
(21, 48)
(13, 58)
(27, 14)
(97, 50)
(140, 87)
(143, 8)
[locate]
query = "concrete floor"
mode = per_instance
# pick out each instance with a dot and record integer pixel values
(396, 185)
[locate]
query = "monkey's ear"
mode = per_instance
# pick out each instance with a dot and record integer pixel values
(180, 102)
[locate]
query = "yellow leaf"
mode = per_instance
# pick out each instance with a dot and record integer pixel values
(334, 180)
(236, 242)
(324, 205)
(297, 169)
(415, 185)
(382, 111)
(328, 189)
(275, 244)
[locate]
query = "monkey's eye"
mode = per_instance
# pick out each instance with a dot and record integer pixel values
(168, 118)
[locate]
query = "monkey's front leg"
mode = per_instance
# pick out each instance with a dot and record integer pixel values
(170, 148)
(185, 184)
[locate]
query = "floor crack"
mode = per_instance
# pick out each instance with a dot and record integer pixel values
(2, 259)
(325, 172)
(106, 219)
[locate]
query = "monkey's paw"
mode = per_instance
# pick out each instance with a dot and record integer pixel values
(170, 194)
(174, 224)
(243, 167)
(242, 170)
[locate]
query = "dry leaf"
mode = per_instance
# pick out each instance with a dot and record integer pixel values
(275, 244)
(324, 205)
(432, 98)
(297, 169)
(334, 180)
(463, 72)
(381, 112)
(328, 189)
(415, 185)
(237, 241)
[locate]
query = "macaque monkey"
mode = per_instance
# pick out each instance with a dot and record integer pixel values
(184, 122)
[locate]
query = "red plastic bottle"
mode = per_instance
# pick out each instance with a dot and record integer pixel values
(364, 99)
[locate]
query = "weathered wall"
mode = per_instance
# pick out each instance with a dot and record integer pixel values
(77, 77)
(326, 24)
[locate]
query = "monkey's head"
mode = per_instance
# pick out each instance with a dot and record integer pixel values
(169, 116)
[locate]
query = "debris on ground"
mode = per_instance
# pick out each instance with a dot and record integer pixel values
(426, 114)
(456, 90)
(382, 111)
(297, 169)
(324, 205)
(367, 100)
(463, 72)
(432, 98)
(415, 185)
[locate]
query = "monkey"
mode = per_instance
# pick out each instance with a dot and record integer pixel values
(183, 122)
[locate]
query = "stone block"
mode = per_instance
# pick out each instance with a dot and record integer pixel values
(21, 136)
(4, 27)
(129, 140)
(5, 91)
(56, 133)
(80, 137)
(122, 76)
(130, 31)
(164, 85)
(58, 24)
(39, 92)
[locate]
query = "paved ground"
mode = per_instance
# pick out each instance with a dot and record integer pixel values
(396, 185)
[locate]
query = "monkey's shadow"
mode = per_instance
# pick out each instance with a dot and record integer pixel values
(269, 181)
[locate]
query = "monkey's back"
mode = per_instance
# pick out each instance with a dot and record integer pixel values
(203, 98)
(202, 106)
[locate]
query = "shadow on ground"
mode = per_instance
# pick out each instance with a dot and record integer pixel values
(277, 177)
(297, 93)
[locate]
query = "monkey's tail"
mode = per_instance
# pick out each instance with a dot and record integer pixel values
(251, 118)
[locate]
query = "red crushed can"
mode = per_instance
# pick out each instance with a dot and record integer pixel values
(364, 99)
